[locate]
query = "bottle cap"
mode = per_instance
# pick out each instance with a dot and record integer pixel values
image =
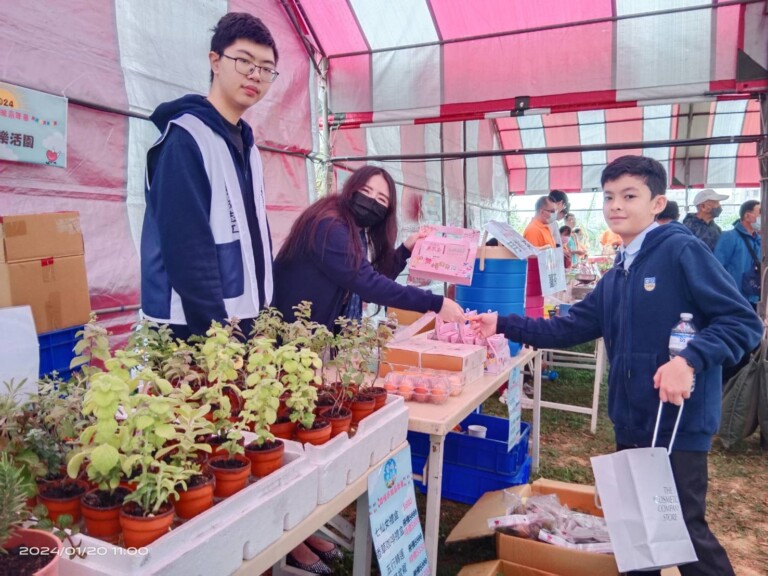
(686, 316)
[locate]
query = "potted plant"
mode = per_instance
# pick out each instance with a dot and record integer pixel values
(147, 512)
(101, 448)
(14, 488)
(148, 428)
(188, 451)
(351, 345)
(261, 401)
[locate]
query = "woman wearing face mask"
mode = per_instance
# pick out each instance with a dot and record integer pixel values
(325, 259)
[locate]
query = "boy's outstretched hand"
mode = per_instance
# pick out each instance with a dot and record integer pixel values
(484, 324)
(674, 380)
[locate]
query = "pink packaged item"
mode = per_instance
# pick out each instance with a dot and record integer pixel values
(447, 254)
(498, 354)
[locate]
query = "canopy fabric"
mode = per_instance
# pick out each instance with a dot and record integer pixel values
(116, 61)
(437, 60)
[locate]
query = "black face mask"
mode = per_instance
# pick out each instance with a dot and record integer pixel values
(716, 211)
(367, 211)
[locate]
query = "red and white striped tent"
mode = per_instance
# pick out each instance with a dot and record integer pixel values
(432, 88)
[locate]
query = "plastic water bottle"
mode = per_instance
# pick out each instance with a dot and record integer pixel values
(682, 333)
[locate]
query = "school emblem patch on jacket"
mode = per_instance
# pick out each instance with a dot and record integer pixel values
(649, 284)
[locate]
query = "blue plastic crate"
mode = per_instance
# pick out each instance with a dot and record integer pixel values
(467, 485)
(57, 351)
(488, 454)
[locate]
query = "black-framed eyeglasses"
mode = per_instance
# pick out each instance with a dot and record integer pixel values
(247, 68)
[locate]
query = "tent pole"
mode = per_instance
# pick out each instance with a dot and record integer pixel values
(762, 160)
(325, 143)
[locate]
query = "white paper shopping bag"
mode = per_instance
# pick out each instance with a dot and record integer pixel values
(642, 510)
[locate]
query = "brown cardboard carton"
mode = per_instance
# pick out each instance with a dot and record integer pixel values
(501, 568)
(551, 558)
(55, 288)
(408, 317)
(454, 357)
(34, 236)
(474, 524)
(420, 352)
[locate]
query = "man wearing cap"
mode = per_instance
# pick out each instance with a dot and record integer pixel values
(702, 224)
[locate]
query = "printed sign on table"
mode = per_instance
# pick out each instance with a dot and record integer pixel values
(511, 239)
(551, 270)
(397, 536)
(33, 126)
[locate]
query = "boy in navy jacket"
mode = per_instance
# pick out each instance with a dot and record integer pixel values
(661, 271)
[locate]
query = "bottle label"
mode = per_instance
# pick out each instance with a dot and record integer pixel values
(679, 340)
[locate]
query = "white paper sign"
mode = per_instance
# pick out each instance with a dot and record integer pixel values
(511, 239)
(19, 348)
(551, 270)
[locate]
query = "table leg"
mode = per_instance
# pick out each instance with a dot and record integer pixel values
(434, 494)
(599, 371)
(536, 427)
(362, 549)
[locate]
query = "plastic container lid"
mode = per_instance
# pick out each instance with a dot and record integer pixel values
(686, 316)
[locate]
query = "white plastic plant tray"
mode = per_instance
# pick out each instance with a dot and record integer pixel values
(342, 460)
(218, 540)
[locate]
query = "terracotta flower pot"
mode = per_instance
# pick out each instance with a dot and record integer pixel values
(266, 458)
(320, 433)
(101, 511)
(215, 443)
(284, 430)
(196, 498)
(62, 498)
(231, 473)
(139, 530)
(361, 406)
(379, 395)
(42, 541)
(341, 420)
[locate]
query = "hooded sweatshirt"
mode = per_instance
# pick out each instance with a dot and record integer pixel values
(634, 310)
(205, 247)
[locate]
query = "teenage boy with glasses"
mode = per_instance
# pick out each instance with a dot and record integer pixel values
(206, 251)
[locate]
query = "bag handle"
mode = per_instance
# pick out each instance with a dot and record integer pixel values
(674, 430)
(653, 442)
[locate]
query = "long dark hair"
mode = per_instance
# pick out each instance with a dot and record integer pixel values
(381, 238)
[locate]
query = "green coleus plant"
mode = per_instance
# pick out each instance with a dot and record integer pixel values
(156, 486)
(299, 369)
(262, 391)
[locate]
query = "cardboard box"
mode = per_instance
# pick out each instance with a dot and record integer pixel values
(501, 568)
(34, 236)
(408, 317)
(454, 357)
(55, 288)
(551, 558)
(423, 353)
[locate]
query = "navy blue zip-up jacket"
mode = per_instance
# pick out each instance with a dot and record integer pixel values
(323, 274)
(176, 235)
(634, 311)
